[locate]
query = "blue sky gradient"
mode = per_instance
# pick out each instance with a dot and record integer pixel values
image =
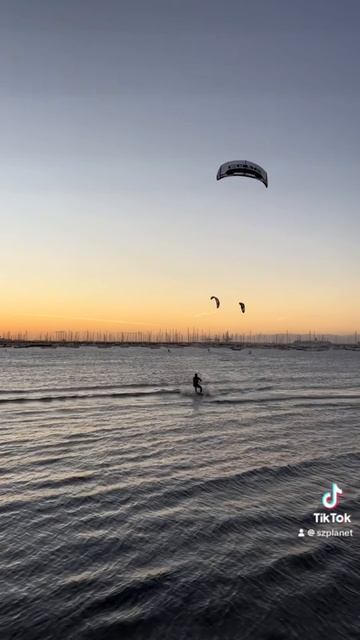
(115, 117)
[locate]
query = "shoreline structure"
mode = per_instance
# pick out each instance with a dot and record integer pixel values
(314, 344)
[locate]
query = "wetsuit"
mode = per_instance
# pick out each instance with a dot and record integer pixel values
(196, 384)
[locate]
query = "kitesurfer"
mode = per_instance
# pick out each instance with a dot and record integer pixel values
(196, 384)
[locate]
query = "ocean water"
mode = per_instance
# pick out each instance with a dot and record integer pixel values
(132, 509)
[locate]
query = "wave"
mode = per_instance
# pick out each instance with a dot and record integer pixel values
(150, 391)
(86, 396)
(194, 487)
(265, 472)
(292, 398)
(138, 385)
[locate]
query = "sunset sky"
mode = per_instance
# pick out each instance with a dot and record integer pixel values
(115, 118)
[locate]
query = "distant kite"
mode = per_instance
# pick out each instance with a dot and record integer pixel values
(242, 168)
(242, 305)
(216, 300)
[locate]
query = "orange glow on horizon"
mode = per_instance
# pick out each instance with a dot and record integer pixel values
(255, 320)
(135, 304)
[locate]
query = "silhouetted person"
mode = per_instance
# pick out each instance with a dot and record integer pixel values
(196, 384)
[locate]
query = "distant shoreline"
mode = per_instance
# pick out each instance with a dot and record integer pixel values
(297, 345)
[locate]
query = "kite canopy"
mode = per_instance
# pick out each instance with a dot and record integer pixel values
(242, 305)
(242, 168)
(216, 300)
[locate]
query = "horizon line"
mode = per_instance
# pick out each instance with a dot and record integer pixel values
(173, 336)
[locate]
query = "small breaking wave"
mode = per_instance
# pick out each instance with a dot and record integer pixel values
(87, 396)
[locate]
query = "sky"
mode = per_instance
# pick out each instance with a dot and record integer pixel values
(115, 117)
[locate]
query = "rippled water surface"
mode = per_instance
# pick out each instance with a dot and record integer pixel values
(129, 508)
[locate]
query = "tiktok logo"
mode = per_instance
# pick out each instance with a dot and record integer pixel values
(331, 498)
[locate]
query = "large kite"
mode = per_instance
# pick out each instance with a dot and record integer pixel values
(242, 168)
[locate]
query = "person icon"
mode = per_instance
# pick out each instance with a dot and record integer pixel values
(196, 384)
(301, 533)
